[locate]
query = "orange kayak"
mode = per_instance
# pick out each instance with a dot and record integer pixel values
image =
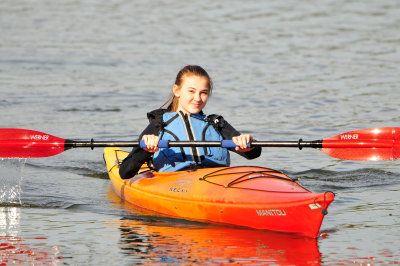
(254, 197)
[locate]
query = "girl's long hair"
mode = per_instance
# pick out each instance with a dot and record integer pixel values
(189, 70)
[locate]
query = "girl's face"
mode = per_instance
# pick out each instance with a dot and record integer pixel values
(193, 94)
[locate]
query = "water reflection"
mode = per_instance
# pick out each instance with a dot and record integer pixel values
(148, 238)
(182, 243)
(9, 220)
(20, 250)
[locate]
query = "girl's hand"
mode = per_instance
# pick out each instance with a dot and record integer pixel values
(151, 142)
(241, 142)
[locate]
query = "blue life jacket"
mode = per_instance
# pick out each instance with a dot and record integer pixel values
(182, 127)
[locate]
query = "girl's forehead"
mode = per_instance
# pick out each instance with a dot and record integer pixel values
(195, 81)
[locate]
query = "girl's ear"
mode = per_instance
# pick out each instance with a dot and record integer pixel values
(176, 90)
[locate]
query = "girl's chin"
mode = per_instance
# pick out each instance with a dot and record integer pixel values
(195, 110)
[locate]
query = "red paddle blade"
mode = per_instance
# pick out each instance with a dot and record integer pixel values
(374, 144)
(24, 143)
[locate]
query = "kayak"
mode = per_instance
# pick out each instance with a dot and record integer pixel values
(245, 196)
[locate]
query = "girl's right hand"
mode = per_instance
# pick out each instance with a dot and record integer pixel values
(151, 142)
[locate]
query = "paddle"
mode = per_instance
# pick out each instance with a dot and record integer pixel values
(372, 144)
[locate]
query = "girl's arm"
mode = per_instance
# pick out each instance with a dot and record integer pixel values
(130, 166)
(229, 132)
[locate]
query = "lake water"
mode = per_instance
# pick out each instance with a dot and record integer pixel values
(282, 70)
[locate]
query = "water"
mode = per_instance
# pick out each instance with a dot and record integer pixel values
(282, 70)
(10, 180)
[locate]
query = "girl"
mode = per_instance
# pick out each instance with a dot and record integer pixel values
(184, 120)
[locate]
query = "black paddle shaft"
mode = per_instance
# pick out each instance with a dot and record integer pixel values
(102, 144)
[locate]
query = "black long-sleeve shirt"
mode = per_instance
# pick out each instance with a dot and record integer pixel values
(132, 163)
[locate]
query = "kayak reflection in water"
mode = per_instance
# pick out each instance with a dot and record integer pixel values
(184, 120)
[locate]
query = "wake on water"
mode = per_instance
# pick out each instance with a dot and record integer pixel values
(364, 178)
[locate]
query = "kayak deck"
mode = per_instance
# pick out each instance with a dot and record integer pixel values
(254, 197)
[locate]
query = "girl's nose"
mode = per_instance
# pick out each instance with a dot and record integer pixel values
(197, 97)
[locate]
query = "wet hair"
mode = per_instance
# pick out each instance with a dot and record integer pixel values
(189, 70)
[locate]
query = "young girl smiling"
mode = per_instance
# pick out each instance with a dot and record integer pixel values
(184, 120)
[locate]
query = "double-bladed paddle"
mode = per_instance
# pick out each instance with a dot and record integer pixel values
(372, 144)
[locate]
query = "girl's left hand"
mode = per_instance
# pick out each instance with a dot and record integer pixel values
(241, 142)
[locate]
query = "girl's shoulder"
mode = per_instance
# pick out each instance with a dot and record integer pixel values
(156, 114)
(156, 117)
(217, 121)
(161, 117)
